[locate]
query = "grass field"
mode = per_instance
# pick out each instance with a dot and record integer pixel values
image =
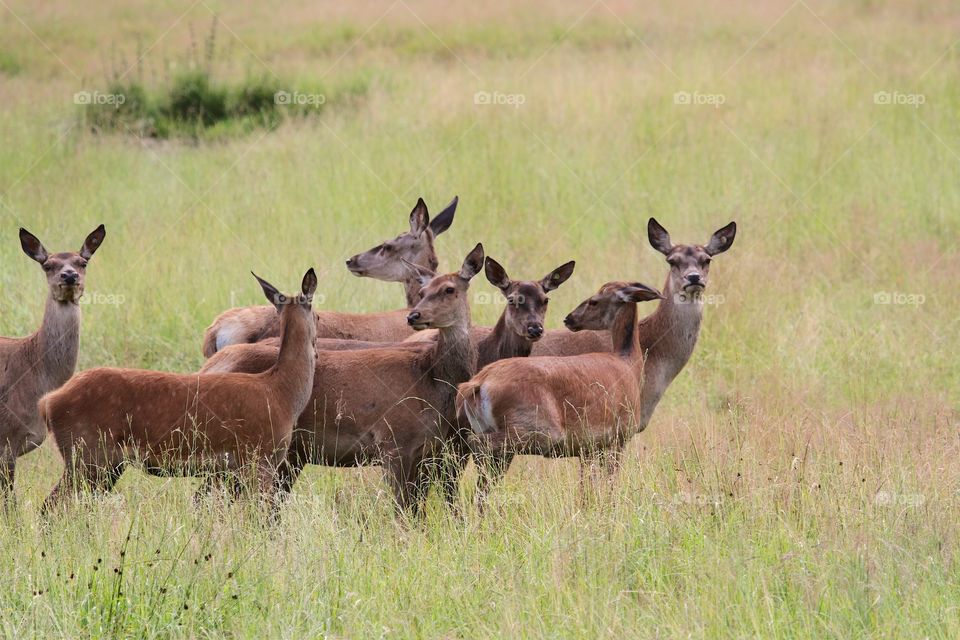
(800, 477)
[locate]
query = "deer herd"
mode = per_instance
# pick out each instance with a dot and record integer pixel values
(418, 391)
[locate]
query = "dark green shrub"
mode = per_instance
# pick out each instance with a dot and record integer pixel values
(194, 100)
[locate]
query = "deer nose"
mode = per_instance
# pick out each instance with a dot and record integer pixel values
(413, 317)
(568, 320)
(69, 277)
(352, 262)
(693, 278)
(535, 330)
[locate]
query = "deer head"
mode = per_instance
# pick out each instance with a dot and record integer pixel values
(303, 300)
(65, 271)
(443, 301)
(526, 299)
(689, 263)
(386, 261)
(599, 310)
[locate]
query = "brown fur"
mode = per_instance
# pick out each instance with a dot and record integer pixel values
(669, 335)
(186, 424)
(392, 405)
(563, 406)
(520, 327)
(43, 361)
(246, 325)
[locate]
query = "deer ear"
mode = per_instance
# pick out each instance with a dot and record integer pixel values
(309, 285)
(92, 243)
(496, 274)
(32, 246)
(442, 221)
(558, 276)
(722, 239)
(473, 263)
(276, 298)
(419, 218)
(423, 274)
(658, 236)
(638, 292)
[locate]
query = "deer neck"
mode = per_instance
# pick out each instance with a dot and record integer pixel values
(455, 358)
(57, 342)
(297, 353)
(502, 343)
(669, 335)
(411, 289)
(624, 333)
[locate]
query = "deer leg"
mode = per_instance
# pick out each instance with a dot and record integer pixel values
(491, 469)
(402, 473)
(603, 465)
(220, 482)
(452, 464)
(106, 478)
(65, 491)
(287, 473)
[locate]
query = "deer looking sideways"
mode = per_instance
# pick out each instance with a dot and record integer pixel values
(521, 406)
(516, 332)
(244, 325)
(32, 366)
(392, 405)
(187, 424)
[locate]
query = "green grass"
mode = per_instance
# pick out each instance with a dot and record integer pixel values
(800, 477)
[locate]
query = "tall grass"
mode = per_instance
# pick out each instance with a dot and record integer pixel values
(799, 478)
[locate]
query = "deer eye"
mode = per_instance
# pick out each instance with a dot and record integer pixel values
(449, 290)
(83, 265)
(48, 267)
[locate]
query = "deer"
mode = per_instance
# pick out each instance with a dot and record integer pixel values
(514, 335)
(186, 424)
(520, 326)
(43, 361)
(393, 405)
(244, 325)
(667, 337)
(556, 406)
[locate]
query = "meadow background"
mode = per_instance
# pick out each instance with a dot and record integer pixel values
(799, 479)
